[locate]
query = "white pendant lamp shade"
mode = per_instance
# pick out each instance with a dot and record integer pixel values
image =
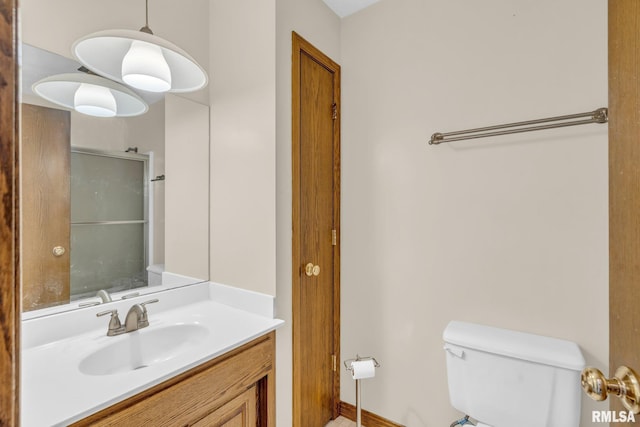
(137, 58)
(92, 95)
(144, 67)
(94, 101)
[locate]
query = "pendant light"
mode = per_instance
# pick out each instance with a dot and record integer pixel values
(95, 101)
(90, 94)
(144, 67)
(140, 59)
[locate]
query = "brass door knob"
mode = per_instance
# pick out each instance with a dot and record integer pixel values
(58, 251)
(624, 384)
(312, 270)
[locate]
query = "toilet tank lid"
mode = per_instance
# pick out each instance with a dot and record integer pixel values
(519, 345)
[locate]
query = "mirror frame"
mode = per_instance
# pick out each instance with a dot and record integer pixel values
(9, 212)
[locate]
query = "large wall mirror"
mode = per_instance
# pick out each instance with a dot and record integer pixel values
(111, 206)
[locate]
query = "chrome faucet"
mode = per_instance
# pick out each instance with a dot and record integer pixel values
(136, 319)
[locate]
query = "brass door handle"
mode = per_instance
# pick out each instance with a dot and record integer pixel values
(312, 270)
(624, 384)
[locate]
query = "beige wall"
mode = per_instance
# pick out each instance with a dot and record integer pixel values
(242, 90)
(509, 231)
(314, 21)
(185, 188)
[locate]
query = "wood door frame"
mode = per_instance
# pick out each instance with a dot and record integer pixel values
(624, 175)
(9, 213)
(301, 45)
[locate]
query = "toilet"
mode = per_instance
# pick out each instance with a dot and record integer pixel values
(504, 378)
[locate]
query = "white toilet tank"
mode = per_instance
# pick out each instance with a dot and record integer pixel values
(504, 378)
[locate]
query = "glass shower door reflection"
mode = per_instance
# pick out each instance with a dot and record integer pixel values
(109, 221)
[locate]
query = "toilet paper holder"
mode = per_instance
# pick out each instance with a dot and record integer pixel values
(349, 365)
(348, 362)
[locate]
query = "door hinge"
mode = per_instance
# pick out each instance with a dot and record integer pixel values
(334, 237)
(334, 362)
(334, 111)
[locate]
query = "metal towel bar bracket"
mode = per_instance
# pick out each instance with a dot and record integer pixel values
(601, 115)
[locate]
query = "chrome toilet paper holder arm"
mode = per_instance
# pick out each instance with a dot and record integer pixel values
(348, 362)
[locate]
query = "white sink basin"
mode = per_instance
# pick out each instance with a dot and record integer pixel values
(142, 348)
(70, 368)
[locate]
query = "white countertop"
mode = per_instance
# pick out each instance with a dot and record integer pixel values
(55, 392)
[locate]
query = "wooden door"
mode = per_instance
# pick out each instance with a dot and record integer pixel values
(46, 201)
(624, 188)
(316, 216)
(9, 214)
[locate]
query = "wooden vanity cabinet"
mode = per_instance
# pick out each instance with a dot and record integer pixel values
(236, 389)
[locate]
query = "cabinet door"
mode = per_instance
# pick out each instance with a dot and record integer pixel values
(239, 412)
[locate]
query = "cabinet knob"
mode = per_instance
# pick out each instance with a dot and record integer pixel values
(58, 251)
(312, 270)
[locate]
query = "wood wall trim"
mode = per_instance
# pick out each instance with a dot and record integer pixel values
(9, 212)
(624, 187)
(295, 225)
(369, 419)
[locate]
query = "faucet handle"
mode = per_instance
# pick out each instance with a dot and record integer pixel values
(89, 304)
(131, 295)
(143, 304)
(151, 301)
(115, 327)
(144, 320)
